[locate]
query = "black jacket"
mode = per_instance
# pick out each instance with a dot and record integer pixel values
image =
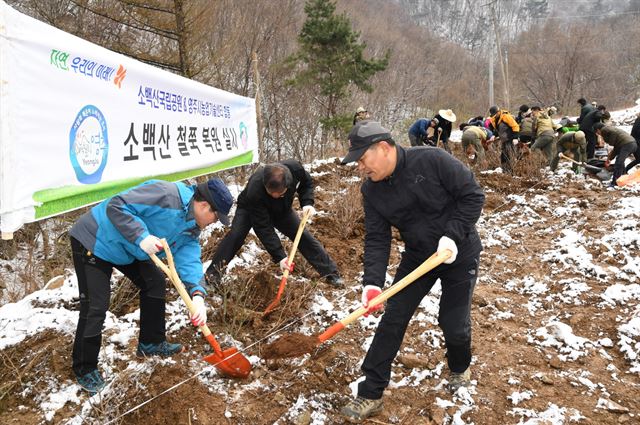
(264, 209)
(429, 195)
(586, 124)
(446, 127)
(584, 111)
(635, 130)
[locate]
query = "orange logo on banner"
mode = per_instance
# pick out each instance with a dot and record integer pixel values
(122, 72)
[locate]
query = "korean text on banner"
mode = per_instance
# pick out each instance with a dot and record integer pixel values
(79, 123)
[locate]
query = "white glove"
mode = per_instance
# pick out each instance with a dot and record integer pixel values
(199, 318)
(369, 292)
(284, 265)
(151, 245)
(439, 129)
(448, 243)
(312, 211)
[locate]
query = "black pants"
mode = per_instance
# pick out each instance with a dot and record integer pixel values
(288, 224)
(636, 159)
(454, 318)
(623, 154)
(94, 284)
(507, 155)
(415, 140)
(592, 139)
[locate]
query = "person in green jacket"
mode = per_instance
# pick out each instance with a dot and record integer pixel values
(623, 146)
(567, 125)
(574, 145)
(544, 129)
(475, 137)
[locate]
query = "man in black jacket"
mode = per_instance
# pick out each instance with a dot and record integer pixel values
(585, 108)
(265, 205)
(586, 125)
(445, 118)
(635, 133)
(434, 201)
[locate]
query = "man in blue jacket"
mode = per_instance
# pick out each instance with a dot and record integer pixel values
(423, 132)
(434, 201)
(122, 232)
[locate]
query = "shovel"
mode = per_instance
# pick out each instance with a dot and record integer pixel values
(293, 345)
(590, 168)
(285, 275)
(431, 263)
(438, 144)
(229, 362)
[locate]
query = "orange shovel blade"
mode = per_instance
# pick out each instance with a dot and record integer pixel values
(275, 302)
(232, 363)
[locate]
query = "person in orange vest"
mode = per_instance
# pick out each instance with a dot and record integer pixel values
(508, 130)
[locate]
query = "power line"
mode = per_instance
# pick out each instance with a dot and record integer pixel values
(601, 15)
(547, 53)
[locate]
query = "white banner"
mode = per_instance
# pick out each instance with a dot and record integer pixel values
(79, 123)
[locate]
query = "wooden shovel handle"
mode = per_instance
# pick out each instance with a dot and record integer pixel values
(285, 275)
(561, 155)
(296, 241)
(171, 272)
(428, 265)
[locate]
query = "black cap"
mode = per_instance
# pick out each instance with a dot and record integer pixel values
(493, 110)
(362, 136)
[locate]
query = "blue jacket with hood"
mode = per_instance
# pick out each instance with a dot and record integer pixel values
(113, 229)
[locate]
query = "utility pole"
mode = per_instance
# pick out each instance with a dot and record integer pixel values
(491, 50)
(256, 81)
(502, 63)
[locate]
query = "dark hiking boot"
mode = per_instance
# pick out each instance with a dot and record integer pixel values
(457, 380)
(162, 349)
(334, 280)
(361, 408)
(91, 382)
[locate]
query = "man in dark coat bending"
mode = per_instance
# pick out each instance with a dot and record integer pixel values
(434, 201)
(265, 204)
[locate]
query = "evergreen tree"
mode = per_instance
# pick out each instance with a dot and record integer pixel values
(331, 60)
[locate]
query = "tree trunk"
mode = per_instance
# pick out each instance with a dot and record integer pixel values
(182, 38)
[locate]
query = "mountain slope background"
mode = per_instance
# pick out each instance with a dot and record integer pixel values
(554, 52)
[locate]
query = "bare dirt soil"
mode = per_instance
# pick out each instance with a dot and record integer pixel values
(506, 356)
